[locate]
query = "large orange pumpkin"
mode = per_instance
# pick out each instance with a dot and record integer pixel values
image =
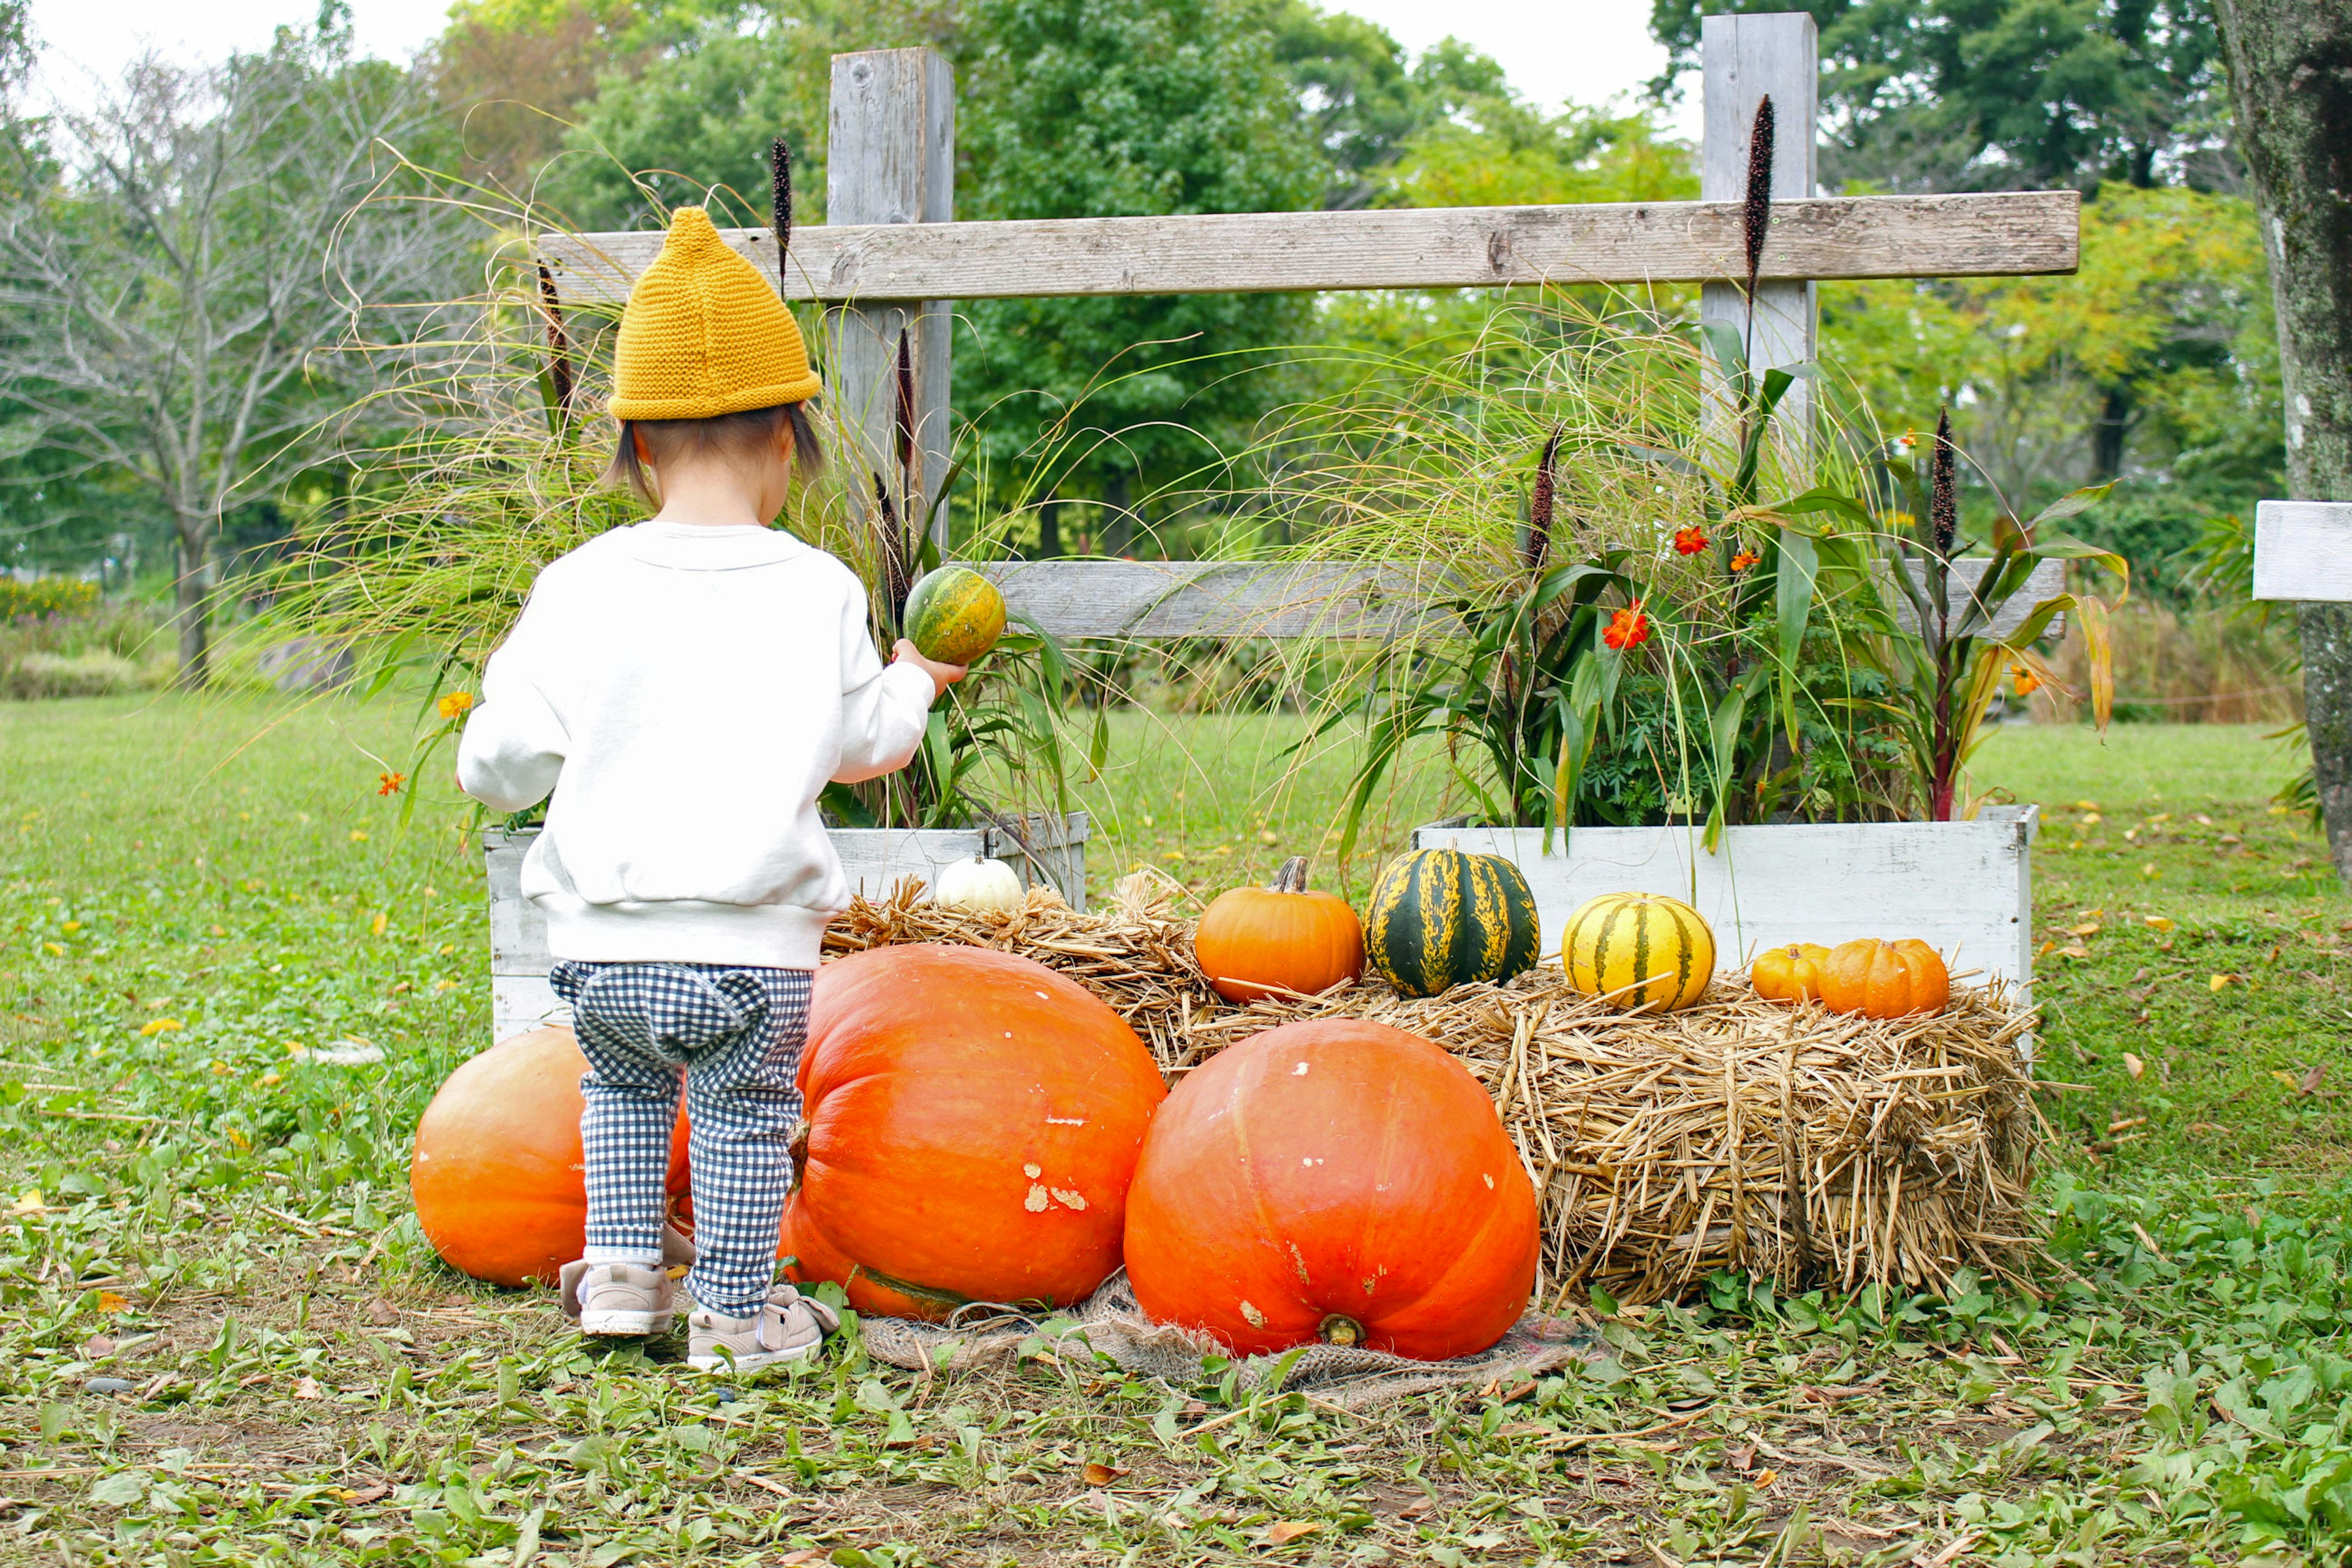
(1336, 1180)
(1885, 979)
(1252, 942)
(972, 1121)
(497, 1171)
(1792, 973)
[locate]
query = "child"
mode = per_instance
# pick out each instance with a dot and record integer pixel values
(684, 688)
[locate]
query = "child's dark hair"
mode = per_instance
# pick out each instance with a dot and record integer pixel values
(733, 434)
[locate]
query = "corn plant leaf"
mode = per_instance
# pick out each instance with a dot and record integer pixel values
(2071, 504)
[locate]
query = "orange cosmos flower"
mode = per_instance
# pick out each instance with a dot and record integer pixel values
(1689, 540)
(389, 783)
(1744, 560)
(1629, 627)
(455, 703)
(2027, 683)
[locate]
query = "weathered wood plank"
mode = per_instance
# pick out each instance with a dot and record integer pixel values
(2047, 581)
(1963, 235)
(1223, 599)
(2303, 550)
(892, 164)
(1745, 59)
(1230, 600)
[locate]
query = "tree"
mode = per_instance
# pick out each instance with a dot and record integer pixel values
(2290, 69)
(2000, 94)
(177, 265)
(1116, 108)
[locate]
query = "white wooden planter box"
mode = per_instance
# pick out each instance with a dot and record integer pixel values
(876, 859)
(1965, 888)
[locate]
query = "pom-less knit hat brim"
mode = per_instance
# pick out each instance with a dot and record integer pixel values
(705, 335)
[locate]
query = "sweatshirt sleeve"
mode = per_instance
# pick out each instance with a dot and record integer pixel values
(883, 708)
(514, 743)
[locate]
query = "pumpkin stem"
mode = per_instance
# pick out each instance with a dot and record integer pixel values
(1338, 1329)
(798, 1150)
(1292, 877)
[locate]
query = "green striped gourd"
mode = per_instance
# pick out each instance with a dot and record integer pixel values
(953, 614)
(1439, 918)
(1638, 950)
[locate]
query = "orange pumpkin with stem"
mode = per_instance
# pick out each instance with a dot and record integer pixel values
(1792, 973)
(1335, 1180)
(971, 1123)
(1885, 979)
(497, 1170)
(1255, 941)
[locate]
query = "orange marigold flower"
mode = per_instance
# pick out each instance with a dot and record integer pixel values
(455, 703)
(1629, 627)
(2027, 682)
(1689, 540)
(389, 783)
(1744, 560)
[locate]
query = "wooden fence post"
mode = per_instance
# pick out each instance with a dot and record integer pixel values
(1745, 57)
(891, 160)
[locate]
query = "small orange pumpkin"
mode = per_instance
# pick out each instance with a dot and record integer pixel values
(1885, 979)
(1792, 973)
(1252, 942)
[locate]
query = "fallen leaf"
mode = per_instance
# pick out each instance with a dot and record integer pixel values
(97, 1346)
(1419, 1508)
(2288, 1078)
(2151, 869)
(1282, 1531)
(2088, 928)
(2047, 949)
(307, 1388)
(382, 1311)
(2132, 1065)
(113, 1302)
(1743, 1457)
(367, 1494)
(2310, 1084)
(1101, 1475)
(2157, 924)
(154, 1027)
(375, 926)
(2220, 983)
(28, 1202)
(1765, 1477)
(1524, 1429)
(2073, 950)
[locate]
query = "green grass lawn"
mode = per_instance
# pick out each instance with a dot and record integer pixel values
(226, 1341)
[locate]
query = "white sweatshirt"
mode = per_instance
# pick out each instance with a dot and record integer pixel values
(685, 692)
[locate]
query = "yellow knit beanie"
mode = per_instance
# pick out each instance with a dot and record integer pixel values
(705, 335)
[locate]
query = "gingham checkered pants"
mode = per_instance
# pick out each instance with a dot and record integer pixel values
(734, 1036)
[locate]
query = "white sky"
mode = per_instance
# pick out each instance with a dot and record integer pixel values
(1589, 50)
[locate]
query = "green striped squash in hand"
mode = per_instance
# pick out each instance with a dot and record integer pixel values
(1638, 950)
(953, 614)
(1439, 918)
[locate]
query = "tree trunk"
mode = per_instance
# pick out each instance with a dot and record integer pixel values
(190, 595)
(1049, 531)
(2290, 64)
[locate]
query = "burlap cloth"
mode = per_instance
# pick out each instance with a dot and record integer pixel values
(985, 1337)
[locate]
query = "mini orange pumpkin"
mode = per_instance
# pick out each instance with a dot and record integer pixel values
(1792, 973)
(1885, 979)
(1256, 940)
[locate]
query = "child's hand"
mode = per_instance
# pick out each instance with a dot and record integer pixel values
(942, 675)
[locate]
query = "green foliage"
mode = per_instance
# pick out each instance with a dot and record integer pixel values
(1928, 97)
(1129, 108)
(45, 597)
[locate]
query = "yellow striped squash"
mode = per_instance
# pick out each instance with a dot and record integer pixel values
(1638, 950)
(1439, 918)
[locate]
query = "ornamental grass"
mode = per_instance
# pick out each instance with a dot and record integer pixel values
(1790, 1143)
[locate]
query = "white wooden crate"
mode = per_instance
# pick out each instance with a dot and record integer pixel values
(1965, 888)
(875, 860)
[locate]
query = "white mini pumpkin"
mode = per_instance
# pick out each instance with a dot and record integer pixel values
(978, 886)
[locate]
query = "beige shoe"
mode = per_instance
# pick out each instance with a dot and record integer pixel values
(788, 1327)
(621, 1298)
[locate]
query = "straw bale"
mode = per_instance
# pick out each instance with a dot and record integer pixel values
(1796, 1145)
